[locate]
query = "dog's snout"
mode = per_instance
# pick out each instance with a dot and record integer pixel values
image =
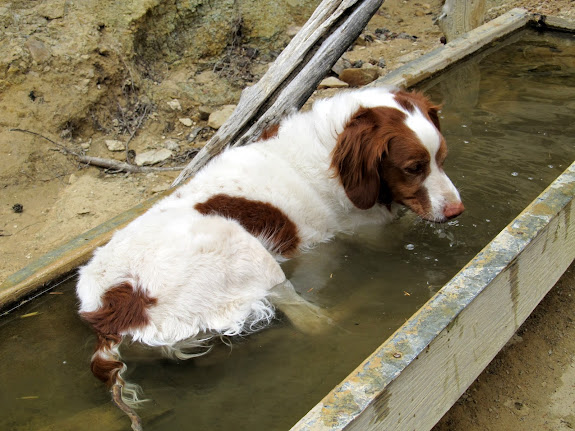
(452, 210)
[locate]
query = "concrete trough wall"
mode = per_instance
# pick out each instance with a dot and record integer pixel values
(413, 378)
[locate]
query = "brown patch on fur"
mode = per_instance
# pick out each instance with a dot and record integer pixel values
(269, 132)
(411, 100)
(104, 369)
(380, 160)
(123, 308)
(260, 219)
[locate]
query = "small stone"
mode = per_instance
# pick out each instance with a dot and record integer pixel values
(174, 105)
(18, 208)
(292, 30)
(73, 178)
(152, 157)
(85, 145)
(364, 40)
(114, 145)
(219, 117)
(39, 52)
(205, 112)
(340, 65)
(186, 122)
(172, 145)
(161, 188)
(332, 82)
(359, 77)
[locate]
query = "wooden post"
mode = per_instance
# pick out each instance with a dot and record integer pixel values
(292, 78)
(459, 17)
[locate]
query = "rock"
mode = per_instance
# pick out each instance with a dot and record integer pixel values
(39, 52)
(171, 145)
(332, 82)
(206, 77)
(359, 77)
(340, 65)
(114, 145)
(194, 134)
(161, 188)
(364, 40)
(72, 179)
(205, 112)
(174, 104)
(186, 122)
(219, 117)
(292, 30)
(152, 157)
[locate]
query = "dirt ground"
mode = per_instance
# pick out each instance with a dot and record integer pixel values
(47, 197)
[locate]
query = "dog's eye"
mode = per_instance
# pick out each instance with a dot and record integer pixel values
(415, 169)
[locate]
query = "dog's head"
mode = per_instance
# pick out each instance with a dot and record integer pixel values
(395, 153)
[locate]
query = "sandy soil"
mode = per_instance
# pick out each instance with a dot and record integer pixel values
(46, 198)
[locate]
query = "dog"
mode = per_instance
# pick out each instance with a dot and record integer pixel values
(204, 261)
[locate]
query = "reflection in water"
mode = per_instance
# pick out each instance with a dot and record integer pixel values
(509, 122)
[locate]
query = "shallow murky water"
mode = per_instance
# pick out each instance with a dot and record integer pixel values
(509, 122)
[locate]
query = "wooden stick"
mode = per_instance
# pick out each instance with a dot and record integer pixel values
(292, 78)
(101, 162)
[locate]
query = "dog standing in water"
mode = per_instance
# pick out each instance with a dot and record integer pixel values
(203, 262)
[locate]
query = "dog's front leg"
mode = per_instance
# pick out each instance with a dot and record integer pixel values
(305, 316)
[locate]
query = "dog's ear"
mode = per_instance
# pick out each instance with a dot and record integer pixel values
(356, 159)
(433, 113)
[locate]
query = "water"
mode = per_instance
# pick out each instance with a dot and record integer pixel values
(509, 121)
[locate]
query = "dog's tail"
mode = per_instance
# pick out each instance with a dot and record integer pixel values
(123, 309)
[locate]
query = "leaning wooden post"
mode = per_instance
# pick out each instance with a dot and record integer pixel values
(293, 77)
(459, 17)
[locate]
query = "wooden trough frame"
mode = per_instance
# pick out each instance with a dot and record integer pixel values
(443, 347)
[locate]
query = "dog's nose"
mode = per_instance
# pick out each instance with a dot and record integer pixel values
(452, 210)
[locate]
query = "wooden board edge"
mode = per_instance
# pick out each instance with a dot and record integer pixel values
(437, 60)
(554, 23)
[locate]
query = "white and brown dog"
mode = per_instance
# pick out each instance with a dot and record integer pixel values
(203, 262)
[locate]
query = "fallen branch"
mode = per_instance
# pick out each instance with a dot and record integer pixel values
(292, 78)
(102, 162)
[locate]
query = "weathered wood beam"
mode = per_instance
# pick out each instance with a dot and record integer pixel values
(292, 78)
(437, 60)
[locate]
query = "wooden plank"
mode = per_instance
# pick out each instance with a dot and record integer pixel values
(292, 78)
(437, 60)
(412, 379)
(553, 23)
